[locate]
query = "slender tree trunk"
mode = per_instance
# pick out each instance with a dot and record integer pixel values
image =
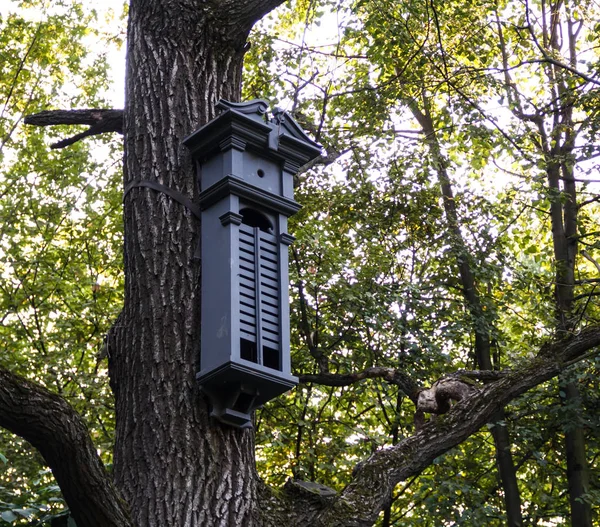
(504, 460)
(557, 148)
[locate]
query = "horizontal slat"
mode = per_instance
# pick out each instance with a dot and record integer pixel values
(269, 289)
(247, 241)
(248, 319)
(247, 251)
(247, 300)
(268, 318)
(268, 254)
(268, 258)
(248, 330)
(269, 282)
(248, 311)
(271, 301)
(267, 239)
(248, 336)
(246, 289)
(268, 244)
(246, 275)
(269, 294)
(269, 264)
(248, 295)
(269, 310)
(247, 281)
(270, 333)
(269, 273)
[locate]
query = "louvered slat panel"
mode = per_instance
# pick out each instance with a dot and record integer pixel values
(269, 295)
(247, 298)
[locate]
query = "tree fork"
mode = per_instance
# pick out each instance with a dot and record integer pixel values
(358, 505)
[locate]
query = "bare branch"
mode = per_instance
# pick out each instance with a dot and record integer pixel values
(99, 121)
(397, 377)
(54, 428)
(587, 256)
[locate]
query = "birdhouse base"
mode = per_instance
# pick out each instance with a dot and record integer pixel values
(236, 390)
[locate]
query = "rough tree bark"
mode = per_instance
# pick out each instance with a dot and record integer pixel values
(52, 426)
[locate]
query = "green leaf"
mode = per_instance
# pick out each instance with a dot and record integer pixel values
(8, 516)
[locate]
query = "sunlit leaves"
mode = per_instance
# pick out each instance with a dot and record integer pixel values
(374, 276)
(60, 234)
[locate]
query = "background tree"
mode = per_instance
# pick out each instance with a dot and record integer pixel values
(379, 309)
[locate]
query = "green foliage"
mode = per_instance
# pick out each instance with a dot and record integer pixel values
(60, 236)
(374, 275)
(374, 268)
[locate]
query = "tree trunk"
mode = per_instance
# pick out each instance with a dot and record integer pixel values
(557, 148)
(504, 460)
(577, 472)
(173, 465)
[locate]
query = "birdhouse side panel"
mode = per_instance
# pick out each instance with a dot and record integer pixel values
(220, 263)
(210, 171)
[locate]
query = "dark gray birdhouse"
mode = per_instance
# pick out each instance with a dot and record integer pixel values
(246, 163)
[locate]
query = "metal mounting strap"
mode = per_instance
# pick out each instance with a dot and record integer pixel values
(174, 194)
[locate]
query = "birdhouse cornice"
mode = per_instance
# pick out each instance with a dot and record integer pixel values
(244, 126)
(234, 185)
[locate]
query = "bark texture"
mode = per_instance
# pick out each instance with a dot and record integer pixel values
(100, 122)
(174, 465)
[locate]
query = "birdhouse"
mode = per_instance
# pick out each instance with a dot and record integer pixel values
(246, 163)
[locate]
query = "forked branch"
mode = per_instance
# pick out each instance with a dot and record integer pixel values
(374, 479)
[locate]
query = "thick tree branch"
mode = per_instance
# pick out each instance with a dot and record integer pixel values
(243, 15)
(54, 428)
(374, 480)
(99, 121)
